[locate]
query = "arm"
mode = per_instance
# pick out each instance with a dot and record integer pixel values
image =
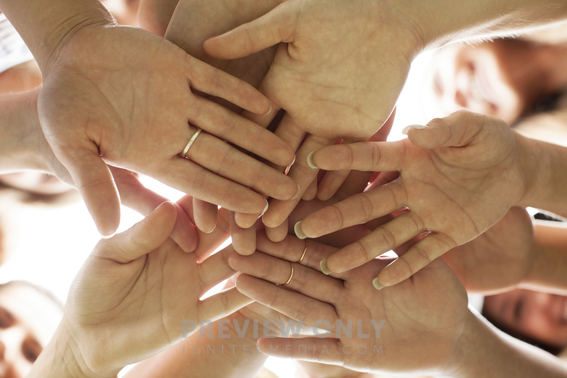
(549, 264)
(484, 351)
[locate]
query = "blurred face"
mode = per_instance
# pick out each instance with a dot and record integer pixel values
(502, 79)
(35, 182)
(28, 320)
(538, 315)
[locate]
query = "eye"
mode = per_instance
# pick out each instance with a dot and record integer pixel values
(31, 349)
(6, 318)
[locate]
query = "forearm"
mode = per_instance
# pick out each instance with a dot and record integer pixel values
(62, 359)
(21, 133)
(45, 25)
(204, 356)
(545, 165)
(550, 260)
(484, 351)
(441, 22)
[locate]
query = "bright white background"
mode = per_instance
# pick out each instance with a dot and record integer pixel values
(54, 242)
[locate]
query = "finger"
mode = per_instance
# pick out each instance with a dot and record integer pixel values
(205, 215)
(226, 125)
(290, 303)
(96, 185)
(243, 239)
(247, 220)
(223, 304)
(301, 279)
(326, 350)
(215, 269)
(357, 209)
(331, 182)
(191, 178)
(278, 233)
(293, 249)
(227, 161)
(302, 174)
(362, 156)
(215, 82)
(142, 238)
(274, 27)
(456, 130)
(381, 240)
(139, 198)
(355, 183)
(209, 243)
(418, 257)
(311, 191)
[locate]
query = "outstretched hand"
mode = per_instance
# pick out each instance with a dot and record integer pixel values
(337, 73)
(458, 177)
(123, 96)
(141, 279)
(423, 317)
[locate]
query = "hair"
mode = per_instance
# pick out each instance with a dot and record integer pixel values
(46, 293)
(553, 349)
(30, 198)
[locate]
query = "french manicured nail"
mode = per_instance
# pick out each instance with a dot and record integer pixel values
(310, 161)
(265, 208)
(296, 196)
(292, 163)
(324, 268)
(416, 127)
(377, 284)
(269, 110)
(298, 232)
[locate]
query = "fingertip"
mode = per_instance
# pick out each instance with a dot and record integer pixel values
(310, 161)
(298, 231)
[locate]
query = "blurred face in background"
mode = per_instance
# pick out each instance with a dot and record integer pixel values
(540, 316)
(35, 182)
(504, 78)
(28, 320)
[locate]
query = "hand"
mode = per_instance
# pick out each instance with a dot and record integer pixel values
(141, 279)
(458, 177)
(424, 316)
(124, 94)
(338, 73)
(499, 259)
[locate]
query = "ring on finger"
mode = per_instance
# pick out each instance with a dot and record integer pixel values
(190, 143)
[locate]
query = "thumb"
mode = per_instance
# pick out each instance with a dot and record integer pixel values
(142, 238)
(272, 28)
(456, 130)
(94, 181)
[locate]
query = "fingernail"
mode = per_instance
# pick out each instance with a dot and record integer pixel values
(297, 193)
(408, 128)
(292, 163)
(298, 232)
(377, 284)
(265, 209)
(324, 268)
(269, 110)
(310, 161)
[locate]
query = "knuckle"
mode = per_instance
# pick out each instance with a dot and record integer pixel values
(388, 238)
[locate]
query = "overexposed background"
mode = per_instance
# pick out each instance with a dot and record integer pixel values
(54, 242)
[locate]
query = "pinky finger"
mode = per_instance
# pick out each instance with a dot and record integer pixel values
(415, 259)
(223, 304)
(327, 350)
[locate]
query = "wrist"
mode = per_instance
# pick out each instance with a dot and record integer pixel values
(63, 358)
(442, 22)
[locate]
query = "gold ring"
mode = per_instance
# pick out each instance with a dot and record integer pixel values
(190, 143)
(290, 276)
(304, 252)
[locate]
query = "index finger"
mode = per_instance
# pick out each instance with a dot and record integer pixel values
(361, 156)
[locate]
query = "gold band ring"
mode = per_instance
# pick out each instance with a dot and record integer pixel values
(190, 143)
(290, 276)
(304, 252)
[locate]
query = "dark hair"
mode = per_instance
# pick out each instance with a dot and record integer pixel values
(555, 350)
(46, 293)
